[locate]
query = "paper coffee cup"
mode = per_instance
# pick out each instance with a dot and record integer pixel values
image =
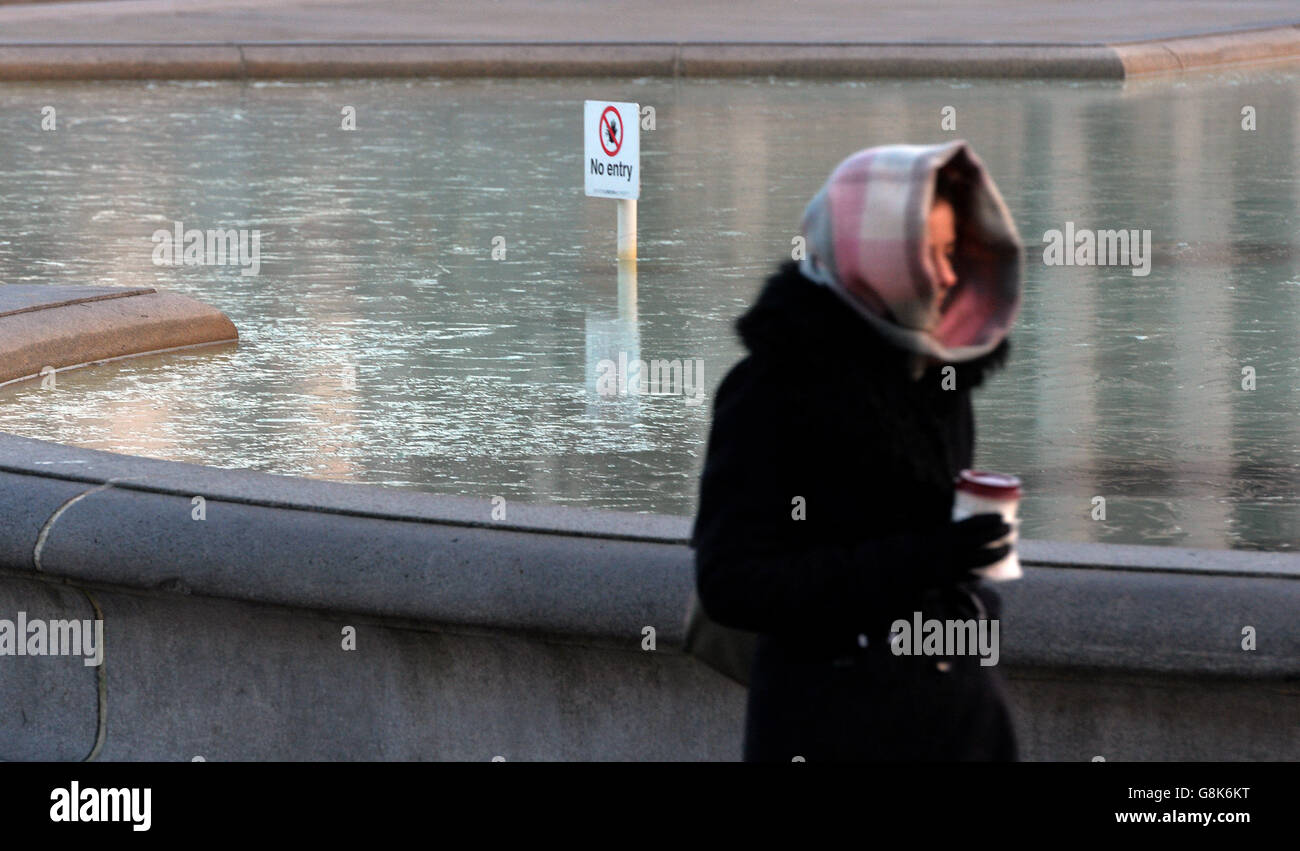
(984, 492)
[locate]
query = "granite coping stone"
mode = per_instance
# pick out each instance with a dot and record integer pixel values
(356, 58)
(48, 328)
(117, 521)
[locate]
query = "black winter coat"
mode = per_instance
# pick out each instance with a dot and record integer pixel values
(824, 409)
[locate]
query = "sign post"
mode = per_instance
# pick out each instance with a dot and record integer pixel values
(612, 163)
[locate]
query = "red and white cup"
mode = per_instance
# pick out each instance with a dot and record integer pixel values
(984, 492)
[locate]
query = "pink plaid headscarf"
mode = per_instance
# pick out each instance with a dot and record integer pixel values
(866, 233)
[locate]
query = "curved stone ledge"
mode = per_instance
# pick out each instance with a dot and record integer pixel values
(524, 638)
(345, 59)
(45, 327)
(110, 520)
(1162, 56)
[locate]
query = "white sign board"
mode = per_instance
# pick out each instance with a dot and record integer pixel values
(612, 149)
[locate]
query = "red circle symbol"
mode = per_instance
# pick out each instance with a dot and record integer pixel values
(611, 131)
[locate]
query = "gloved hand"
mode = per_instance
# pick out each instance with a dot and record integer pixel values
(947, 554)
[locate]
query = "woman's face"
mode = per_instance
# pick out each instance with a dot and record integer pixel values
(942, 246)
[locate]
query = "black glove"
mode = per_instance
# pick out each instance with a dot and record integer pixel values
(947, 554)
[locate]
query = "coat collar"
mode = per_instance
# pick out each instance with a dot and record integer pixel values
(795, 317)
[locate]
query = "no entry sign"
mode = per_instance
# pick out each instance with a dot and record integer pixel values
(612, 149)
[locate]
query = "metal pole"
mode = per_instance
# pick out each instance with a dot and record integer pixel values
(627, 229)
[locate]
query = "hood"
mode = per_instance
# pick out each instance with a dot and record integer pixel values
(866, 234)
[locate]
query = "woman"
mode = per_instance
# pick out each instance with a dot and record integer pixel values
(826, 495)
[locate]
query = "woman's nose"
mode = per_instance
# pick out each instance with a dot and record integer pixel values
(947, 277)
